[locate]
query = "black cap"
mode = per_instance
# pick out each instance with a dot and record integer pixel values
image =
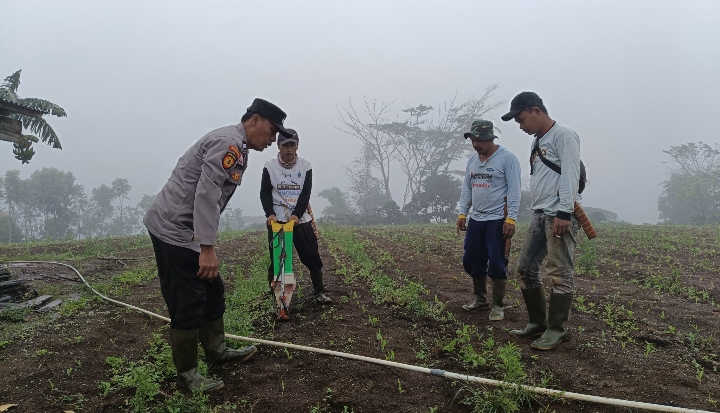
(270, 112)
(522, 101)
(282, 140)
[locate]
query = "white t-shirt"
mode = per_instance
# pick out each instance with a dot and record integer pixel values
(287, 184)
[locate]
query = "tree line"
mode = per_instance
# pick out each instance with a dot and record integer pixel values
(691, 195)
(50, 205)
(422, 143)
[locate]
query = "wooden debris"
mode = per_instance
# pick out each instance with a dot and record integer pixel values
(4, 277)
(33, 303)
(12, 284)
(48, 306)
(126, 259)
(4, 298)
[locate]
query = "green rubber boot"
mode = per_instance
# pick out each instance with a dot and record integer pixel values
(319, 287)
(558, 315)
(535, 303)
(212, 338)
(480, 292)
(498, 293)
(184, 345)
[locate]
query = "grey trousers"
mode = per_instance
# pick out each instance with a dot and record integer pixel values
(560, 252)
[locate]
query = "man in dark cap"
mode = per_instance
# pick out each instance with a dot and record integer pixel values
(492, 176)
(285, 196)
(183, 224)
(555, 176)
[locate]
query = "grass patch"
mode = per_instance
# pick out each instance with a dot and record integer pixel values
(400, 291)
(249, 299)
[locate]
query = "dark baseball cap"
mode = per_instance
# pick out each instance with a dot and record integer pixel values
(270, 112)
(522, 101)
(282, 140)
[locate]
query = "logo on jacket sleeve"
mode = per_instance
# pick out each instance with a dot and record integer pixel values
(229, 160)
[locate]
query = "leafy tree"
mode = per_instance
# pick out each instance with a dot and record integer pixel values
(231, 219)
(9, 229)
(23, 150)
(429, 142)
(145, 203)
(368, 191)
(437, 199)
(102, 199)
(339, 208)
(599, 215)
(692, 194)
(122, 188)
(51, 192)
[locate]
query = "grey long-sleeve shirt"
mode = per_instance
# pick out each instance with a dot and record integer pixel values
(486, 185)
(552, 192)
(187, 210)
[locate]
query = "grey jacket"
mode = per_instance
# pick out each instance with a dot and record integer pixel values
(187, 210)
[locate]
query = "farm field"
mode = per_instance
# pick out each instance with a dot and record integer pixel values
(644, 327)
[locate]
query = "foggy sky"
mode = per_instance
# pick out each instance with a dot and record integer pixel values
(141, 81)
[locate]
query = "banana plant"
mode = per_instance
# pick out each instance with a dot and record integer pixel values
(41, 130)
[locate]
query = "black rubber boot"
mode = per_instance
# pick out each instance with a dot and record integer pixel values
(558, 315)
(498, 293)
(319, 287)
(184, 345)
(535, 303)
(212, 338)
(480, 292)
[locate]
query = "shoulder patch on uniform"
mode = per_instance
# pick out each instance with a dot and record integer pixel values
(235, 151)
(235, 176)
(229, 160)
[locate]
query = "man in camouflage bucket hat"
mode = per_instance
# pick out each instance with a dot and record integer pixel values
(492, 175)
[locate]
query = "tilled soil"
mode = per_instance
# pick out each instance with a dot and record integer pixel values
(59, 364)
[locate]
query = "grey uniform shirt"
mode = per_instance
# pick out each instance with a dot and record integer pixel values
(187, 210)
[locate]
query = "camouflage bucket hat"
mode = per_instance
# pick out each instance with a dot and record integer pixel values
(481, 129)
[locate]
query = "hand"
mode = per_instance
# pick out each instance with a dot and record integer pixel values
(271, 219)
(208, 263)
(460, 226)
(295, 219)
(560, 226)
(508, 230)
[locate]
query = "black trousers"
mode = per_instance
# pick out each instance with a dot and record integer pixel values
(191, 300)
(306, 245)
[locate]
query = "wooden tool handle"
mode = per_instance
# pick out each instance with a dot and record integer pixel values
(584, 222)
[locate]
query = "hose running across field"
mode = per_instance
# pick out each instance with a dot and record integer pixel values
(435, 372)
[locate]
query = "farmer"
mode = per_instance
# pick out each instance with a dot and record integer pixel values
(553, 229)
(285, 195)
(492, 175)
(183, 225)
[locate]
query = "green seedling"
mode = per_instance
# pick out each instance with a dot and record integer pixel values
(649, 348)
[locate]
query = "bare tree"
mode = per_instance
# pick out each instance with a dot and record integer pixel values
(427, 147)
(377, 145)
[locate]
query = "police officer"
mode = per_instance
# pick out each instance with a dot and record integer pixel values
(492, 176)
(285, 195)
(183, 224)
(553, 230)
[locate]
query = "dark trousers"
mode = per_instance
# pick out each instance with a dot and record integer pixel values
(306, 245)
(191, 301)
(485, 249)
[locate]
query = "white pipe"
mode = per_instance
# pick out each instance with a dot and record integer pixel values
(435, 372)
